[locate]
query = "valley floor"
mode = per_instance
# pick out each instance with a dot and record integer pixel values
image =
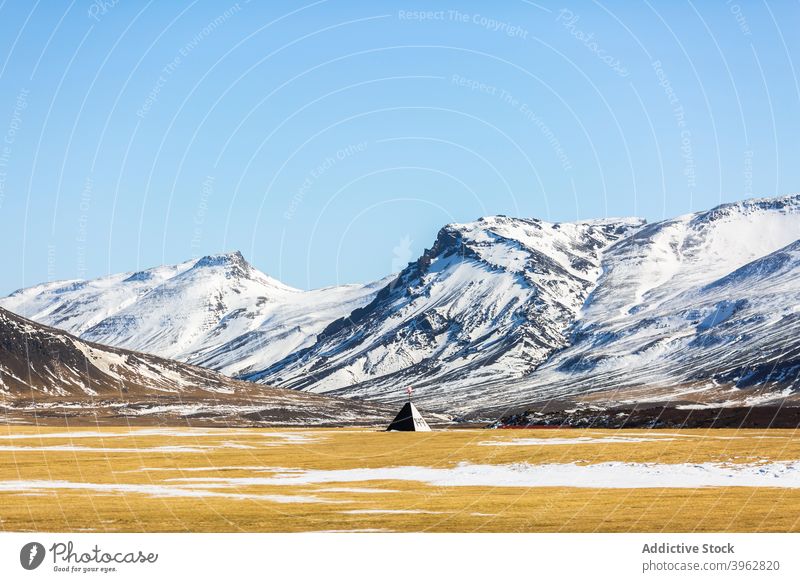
(123, 479)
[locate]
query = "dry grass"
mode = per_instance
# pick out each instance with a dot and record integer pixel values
(249, 452)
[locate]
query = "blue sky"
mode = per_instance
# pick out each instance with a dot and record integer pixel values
(330, 140)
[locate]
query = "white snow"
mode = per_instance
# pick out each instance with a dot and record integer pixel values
(141, 432)
(25, 487)
(389, 511)
(114, 450)
(359, 530)
(571, 441)
(260, 440)
(356, 490)
(608, 475)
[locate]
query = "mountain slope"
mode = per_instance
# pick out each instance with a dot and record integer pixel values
(217, 312)
(701, 310)
(491, 299)
(77, 305)
(47, 373)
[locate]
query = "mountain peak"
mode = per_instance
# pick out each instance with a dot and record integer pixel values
(232, 259)
(782, 204)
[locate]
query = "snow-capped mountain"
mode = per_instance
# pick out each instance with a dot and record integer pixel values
(45, 372)
(700, 310)
(498, 313)
(218, 312)
(491, 299)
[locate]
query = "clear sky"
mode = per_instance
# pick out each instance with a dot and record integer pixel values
(330, 140)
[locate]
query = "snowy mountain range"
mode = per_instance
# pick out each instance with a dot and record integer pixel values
(702, 310)
(501, 312)
(218, 312)
(46, 373)
(490, 300)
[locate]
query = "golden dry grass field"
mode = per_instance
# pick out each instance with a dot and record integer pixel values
(120, 479)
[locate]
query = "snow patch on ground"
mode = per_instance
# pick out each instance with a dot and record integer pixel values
(84, 449)
(26, 487)
(572, 441)
(134, 433)
(356, 490)
(388, 511)
(362, 530)
(607, 475)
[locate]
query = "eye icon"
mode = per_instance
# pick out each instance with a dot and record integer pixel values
(31, 555)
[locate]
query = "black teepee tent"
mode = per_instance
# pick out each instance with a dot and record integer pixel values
(409, 418)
